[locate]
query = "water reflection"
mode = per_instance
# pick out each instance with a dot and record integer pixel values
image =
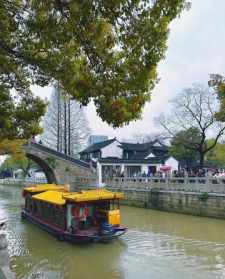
(157, 245)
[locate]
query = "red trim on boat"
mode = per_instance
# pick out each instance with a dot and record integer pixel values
(84, 233)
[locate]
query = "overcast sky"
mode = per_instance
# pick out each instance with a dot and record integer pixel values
(196, 48)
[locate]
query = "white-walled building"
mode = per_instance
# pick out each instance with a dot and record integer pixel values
(113, 158)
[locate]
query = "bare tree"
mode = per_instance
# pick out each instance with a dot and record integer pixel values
(65, 125)
(52, 123)
(143, 138)
(194, 109)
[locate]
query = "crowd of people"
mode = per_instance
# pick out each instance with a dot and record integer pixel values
(201, 172)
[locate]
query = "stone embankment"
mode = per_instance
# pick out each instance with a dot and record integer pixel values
(75, 182)
(195, 196)
(5, 271)
(22, 181)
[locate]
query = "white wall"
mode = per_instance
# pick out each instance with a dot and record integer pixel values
(144, 168)
(112, 150)
(99, 174)
(172, 162)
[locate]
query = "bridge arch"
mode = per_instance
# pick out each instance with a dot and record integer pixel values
(48, 171)
(58, 168)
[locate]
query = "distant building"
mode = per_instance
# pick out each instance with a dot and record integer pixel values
(113, 158)
(96, 139)
(6, 174)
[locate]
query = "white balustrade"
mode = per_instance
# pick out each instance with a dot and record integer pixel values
(188, 184)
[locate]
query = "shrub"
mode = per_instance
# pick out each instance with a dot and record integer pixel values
(204, 196)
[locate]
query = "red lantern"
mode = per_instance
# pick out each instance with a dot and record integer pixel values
(165, 168)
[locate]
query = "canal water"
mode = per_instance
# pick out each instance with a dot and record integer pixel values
(158, 245)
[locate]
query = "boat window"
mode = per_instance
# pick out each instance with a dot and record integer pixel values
(114, 204)
(104, 205)
(107, 205)
(52, 213)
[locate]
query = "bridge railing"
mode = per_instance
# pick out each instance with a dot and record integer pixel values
(58, 154)
(192, 184)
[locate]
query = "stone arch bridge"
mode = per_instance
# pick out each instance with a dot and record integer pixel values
(60, 168)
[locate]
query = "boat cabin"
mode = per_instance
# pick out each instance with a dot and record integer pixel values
(73, 211)
(92, 208)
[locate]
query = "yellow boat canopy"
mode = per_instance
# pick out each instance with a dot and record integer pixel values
(92, 195)
(54, 197)
(45, 187)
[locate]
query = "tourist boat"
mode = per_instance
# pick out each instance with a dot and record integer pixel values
(83, 216)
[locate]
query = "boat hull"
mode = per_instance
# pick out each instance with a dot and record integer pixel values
(79, 237)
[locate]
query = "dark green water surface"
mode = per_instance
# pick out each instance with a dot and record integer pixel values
(158, 245)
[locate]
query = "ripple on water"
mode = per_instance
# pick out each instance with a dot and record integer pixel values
(155, 248)
(165, 252)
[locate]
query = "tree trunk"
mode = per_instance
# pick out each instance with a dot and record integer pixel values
(74, 127)
(58, 120)
(202, 158)
(69, 129)
(65, 128)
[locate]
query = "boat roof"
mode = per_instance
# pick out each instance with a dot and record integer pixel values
(54, 197)
(44, 187)
(60, 198)
(92, 195)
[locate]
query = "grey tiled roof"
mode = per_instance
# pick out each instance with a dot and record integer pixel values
(143, 146)
(139, 151)
(154, 160)
(97, 146)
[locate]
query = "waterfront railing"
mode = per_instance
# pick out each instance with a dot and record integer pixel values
(187, 184)
(192, 184)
